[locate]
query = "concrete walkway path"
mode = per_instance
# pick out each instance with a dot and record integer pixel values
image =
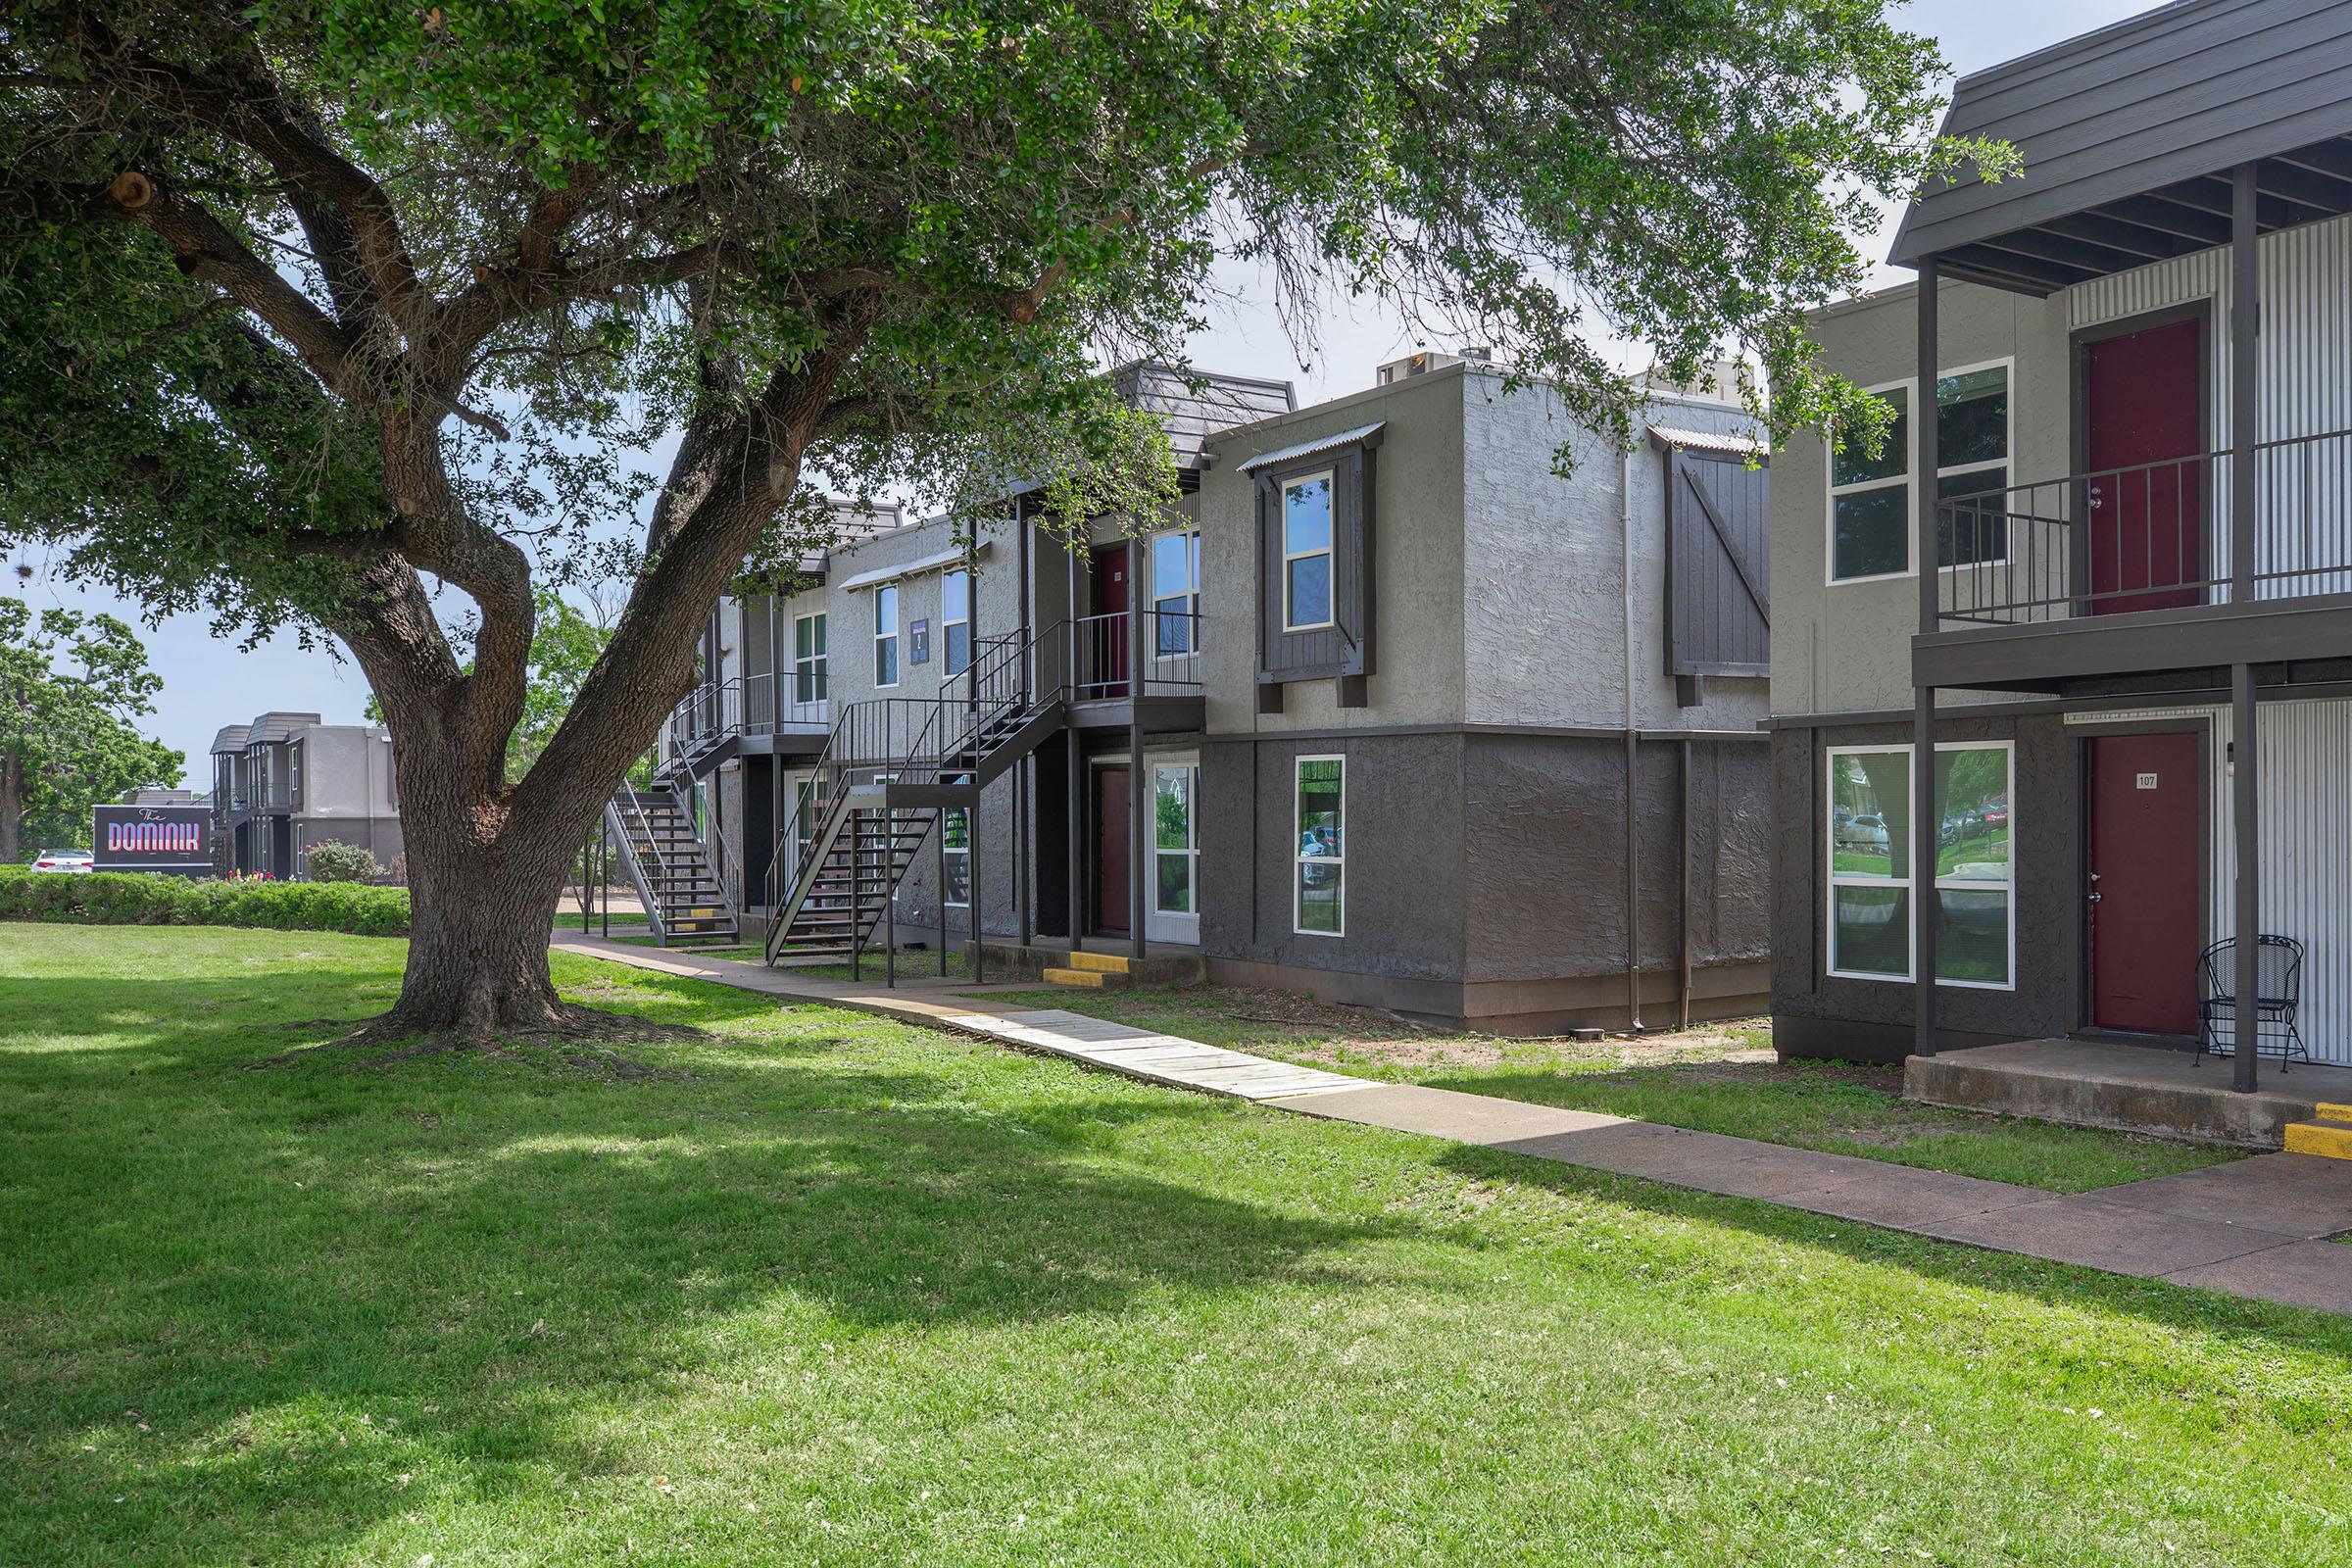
(2254, 1228)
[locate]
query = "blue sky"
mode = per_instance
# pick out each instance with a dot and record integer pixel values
(209, 683)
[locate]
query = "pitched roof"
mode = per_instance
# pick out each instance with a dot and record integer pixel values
(2124, 131)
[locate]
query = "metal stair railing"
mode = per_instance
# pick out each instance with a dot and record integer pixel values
(900, 740)
(651, 881)
(631, 859)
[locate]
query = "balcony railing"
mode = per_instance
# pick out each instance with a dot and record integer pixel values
(2148, 536)
(1101, 647)
(749, 705)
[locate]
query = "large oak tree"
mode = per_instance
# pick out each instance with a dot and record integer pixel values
(338, 313)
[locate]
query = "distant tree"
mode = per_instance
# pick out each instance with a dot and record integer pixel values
(71, 688)
(334, 860)
(310, 306)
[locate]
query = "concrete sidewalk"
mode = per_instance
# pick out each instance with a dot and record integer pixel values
(2195, 1228)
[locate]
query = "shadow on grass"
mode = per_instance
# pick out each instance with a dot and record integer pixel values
(2258, 1325)
(308, 1282)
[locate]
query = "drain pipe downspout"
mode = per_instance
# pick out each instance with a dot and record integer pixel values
(1633, 847)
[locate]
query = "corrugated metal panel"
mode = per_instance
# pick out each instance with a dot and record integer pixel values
(2304, 829)
(2304, 368)
(2185, 90)
(1315, 448)
(1665, 437)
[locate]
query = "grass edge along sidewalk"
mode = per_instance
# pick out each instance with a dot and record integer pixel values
(2128, 1230)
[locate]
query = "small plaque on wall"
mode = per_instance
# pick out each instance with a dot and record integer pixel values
(918, 643)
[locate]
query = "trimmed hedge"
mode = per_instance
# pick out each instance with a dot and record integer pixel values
(123, 897)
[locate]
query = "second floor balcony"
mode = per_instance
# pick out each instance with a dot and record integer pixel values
(2139, 568)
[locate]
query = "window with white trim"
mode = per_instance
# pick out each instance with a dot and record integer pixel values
(1306, 585)
(1871, 495)
(1176, 592)
(1175, 851)
(886, 636)
(956, 858)
(1873, 873)
(1318, 891)
(956, 620)
(809, 659)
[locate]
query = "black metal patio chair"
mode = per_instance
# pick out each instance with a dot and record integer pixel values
(2278, 994)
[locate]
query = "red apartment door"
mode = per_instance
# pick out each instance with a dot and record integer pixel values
(1112, 836)
(2144, 438)
(1106, 640)
(2145, 882)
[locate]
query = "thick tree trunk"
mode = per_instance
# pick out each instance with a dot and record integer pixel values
(12, 807)
(477, 937)
(485, 881)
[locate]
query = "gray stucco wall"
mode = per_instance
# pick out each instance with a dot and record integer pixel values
(1544, 587)
(1417, 563)
(1546, 856)
(346, 771)
(1404, 873)
(1818, 1014)
(1846, 647)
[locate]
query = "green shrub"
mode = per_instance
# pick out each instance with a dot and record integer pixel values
(333, 860)
(129, 898)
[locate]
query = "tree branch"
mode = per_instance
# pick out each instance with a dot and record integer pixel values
(253, 113)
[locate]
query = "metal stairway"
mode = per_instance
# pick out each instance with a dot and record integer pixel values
(890, 772)
(685, 899)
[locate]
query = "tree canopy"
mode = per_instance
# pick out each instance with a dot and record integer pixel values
(314, 309)
(73, 688)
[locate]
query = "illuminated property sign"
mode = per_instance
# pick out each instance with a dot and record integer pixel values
(173, 838)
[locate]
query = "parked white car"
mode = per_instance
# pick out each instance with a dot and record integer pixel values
(1862, 833)
(65, 861)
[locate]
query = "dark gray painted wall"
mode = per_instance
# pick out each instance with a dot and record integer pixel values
(1817, 1013)
(1403, 862)
(1546, 861)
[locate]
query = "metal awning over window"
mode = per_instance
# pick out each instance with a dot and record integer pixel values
(1667, 437)
(1314, 449)
(944, 559)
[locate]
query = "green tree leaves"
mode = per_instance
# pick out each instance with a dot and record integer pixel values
(71, 688)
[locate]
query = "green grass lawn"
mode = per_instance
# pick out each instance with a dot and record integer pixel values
(1717, 1079)
(826, 1289)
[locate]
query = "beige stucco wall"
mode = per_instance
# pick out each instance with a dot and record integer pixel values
(1846, 647)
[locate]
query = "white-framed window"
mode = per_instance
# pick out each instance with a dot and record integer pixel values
(294, 777)
(1175, 844)
(1873, 871)
(1871, 497)
(1306, 585)
(886, 636)
(956, 858)
(1318, 901)
(808, 657)
(807, 810)
(956, 620)
(1176, 592)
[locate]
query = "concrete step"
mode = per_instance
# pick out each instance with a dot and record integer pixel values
(2328, 1133)
(1102, 962)
(1088, 979)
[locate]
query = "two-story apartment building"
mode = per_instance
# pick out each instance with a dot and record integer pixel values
(1362, 717)
(2119, 616)
(289, 780)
